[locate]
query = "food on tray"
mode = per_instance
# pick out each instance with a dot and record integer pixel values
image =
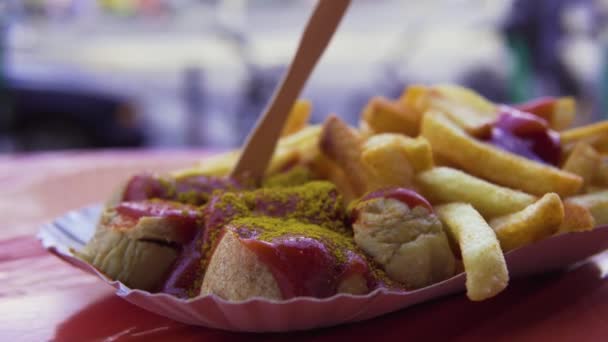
(491, 163)
(596, 203)
(444, 184)
(398, 228)
(482, 256)
(535, 222)
(137, 242)
(194, 189)
(312, 204)
(438, 180)
(557, 111)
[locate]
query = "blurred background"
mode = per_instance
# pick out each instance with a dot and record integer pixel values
(78, 74)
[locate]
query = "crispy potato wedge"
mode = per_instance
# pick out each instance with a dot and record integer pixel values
(583, 161)
(387, 161)
(596, 202)
(576, 218)
(535, 222)
(491, 163)
(385, 116)
(341, 144)
(298, 117)
(484, 262)
(444, 185)
(595, 134)
(297, 148)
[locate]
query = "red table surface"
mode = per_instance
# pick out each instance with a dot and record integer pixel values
(43, 298)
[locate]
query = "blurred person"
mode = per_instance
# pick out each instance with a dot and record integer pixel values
(555, 50)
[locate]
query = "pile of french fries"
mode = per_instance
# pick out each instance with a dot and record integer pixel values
(491, 201)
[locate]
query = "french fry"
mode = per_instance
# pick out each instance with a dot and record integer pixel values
(385, 116)
(596, 202)
(535, 222)
(460, 108)
(488, 162)
(387, 161)
(563, 113)
(324, 168)
(341, 144)
(595, 134)
(296, 148)
(466, 96)
(576, 219)
(416, 97)
(417, 150)
(583, 161)
(444, 185)
(601, 176)
(365, 130)
(484, 262)
(419, 153)
(559, 112)
(298, 117)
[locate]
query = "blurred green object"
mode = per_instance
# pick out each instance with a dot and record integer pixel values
(520, 78)
(604, 86)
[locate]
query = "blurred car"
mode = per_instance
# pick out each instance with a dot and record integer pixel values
(42, 116)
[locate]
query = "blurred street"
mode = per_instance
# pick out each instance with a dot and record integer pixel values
(199, 72)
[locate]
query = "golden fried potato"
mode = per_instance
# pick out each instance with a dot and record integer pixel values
(466, 96)
(461, 108)
(484, 262)
(583, 161)
(387, 161)
(596, 202)
(486, 161)
(563, 113)
(601, 176)
(341, 144)
(444, 185)
(418, 152)
(415, 97)
(385, 116)
(595, 134)
(297, 148)
(324, 168)
(535, 222)
(298, 117)
(365, 130)
(576, 218)
(559, 112)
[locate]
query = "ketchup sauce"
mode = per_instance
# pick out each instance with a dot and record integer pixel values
(304, 266)
(526, 135)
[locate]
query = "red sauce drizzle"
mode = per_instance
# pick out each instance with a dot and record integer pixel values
(199, 188)
(185, 218)
(542, 107)
(303, 266)
(526, 135)
(188, 268)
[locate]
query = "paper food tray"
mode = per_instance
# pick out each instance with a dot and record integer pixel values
(75, 228)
